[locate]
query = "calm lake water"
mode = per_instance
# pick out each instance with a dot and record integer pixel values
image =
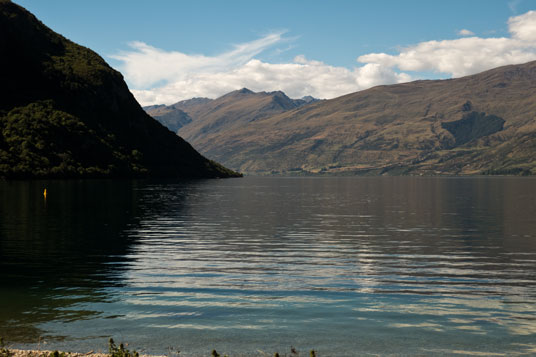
(345, 266)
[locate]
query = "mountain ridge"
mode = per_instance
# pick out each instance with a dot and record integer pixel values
(479, 124)
(232, 109)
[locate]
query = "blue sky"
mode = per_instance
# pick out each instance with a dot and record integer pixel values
(320, 38)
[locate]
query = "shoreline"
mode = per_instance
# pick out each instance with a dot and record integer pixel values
(48, 353)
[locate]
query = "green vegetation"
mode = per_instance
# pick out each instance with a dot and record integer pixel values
(517, 171)
(65, 113)
(58, 354)
(120, 351)
(40, 141)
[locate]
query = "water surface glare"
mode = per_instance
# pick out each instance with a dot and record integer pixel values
(345, 266)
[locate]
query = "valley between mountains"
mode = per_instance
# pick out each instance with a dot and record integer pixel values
(479, 124)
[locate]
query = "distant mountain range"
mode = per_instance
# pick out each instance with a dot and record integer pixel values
(479, 124)
(199, 116)
(65, 113)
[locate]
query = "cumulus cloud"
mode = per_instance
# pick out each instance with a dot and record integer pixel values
(296, 79)
(164, 77)
(465, 32)
(466, 56)
(523, 27)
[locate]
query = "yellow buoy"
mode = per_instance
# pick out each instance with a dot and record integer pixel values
(45, 193)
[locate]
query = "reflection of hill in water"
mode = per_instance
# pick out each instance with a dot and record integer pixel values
(375, 227)
(358, 256)
(57, 253)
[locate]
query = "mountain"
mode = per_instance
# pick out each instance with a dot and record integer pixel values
(65, 113)
(174, 116)
(309, 99)
(479, 124)
(233, 111)
(191, 105)
(170, 117)
(224, 114)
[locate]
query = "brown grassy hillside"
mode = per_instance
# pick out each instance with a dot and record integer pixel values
(233, 111)
(484, 123)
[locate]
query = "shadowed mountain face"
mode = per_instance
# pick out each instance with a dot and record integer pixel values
(170, 117)
(473, 126)
(66, 113)
(479, 124)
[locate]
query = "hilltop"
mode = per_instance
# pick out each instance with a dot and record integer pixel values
(65, 112)
(197, 119)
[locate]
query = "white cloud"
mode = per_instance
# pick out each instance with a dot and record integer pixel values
(466, 56)
(465, 32)
(523, 27)
(146, 65)
(165, 77)
(296, 79)
(186, 76)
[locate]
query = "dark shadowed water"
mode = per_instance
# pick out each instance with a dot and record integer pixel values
(345, 266)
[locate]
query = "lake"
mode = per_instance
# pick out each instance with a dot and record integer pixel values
(346, 266)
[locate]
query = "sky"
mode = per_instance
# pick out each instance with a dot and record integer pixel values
(171, 50)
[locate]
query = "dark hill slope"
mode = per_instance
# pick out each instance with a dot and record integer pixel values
(65, 113)
(484, 123)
